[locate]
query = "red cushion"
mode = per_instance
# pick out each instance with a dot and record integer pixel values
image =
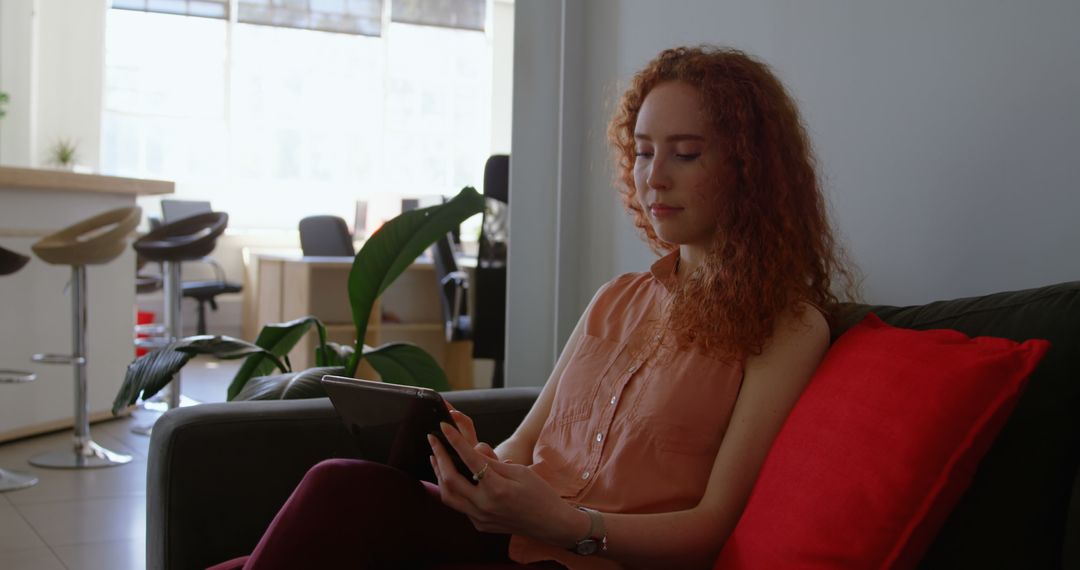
(879, 448)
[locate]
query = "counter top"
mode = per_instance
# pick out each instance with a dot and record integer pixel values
(41, 179)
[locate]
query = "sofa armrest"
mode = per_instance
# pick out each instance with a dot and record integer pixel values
(218, 473)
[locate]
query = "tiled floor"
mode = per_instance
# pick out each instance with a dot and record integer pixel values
(95, 518)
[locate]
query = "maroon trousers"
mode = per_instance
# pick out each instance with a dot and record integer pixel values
(358, 514)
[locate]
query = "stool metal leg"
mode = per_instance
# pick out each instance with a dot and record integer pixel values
(12, 480)
(173, 295)
(84, 452)
(16, 376)
(173, 330)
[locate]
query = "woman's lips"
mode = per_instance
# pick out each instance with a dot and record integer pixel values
(663, 210)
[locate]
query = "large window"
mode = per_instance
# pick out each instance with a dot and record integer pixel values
(273, 123)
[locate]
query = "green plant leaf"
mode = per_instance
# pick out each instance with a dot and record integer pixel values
(408, 364)
(289, 386)
(390, 250)
(278, 339)
(333, 354)
(148, 374)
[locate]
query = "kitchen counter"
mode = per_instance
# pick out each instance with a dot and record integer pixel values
(35, 302)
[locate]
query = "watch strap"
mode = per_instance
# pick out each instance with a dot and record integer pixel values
(597, 531)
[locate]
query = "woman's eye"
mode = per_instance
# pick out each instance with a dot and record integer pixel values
(643, 154)
(687, 156)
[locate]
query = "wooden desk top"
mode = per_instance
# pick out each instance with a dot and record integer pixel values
(61, 180)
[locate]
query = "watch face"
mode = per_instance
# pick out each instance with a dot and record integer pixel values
(587, 547)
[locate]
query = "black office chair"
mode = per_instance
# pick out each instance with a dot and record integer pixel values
(454, 289)
(489, 314)
(454, 298)
(205, 293)
(325, 236)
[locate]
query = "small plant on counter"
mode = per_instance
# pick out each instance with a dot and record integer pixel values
(385, 256)
(64, 153)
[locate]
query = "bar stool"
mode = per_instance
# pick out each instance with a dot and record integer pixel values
(187, 239)
(96, 240)
(10, 262)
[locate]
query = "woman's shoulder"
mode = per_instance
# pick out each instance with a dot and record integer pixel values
(627, 279)
(620, 304)
(802, 330)
(626, 283)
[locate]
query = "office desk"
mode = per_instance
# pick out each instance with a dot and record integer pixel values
(286, 287)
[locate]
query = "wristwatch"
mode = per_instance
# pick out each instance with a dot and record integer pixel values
(596, 540)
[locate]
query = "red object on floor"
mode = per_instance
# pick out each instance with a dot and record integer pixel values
(143, 318)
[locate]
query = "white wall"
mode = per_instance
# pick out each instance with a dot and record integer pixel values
(51, 61)
(502, 63)
(71, 60)
(534, 181)
(18, 55)
(947, 135)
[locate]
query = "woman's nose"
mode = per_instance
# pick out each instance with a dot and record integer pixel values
(658, 178)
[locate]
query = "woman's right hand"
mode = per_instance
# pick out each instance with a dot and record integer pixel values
(468, 431)
(502, 497)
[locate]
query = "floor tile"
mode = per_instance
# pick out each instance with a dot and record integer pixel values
(93, 520)
(112, 555)
(15, 532)
(120, 430)
(16, 454)
(35, 559)
(13, 454)
(59, 485)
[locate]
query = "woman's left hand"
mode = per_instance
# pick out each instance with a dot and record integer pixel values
(508, 498)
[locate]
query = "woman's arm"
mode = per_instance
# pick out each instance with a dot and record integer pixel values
(513, 499)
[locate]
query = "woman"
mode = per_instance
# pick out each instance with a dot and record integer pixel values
(644, 444)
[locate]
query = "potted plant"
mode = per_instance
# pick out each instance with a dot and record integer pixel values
(384, 256)
(64, 153)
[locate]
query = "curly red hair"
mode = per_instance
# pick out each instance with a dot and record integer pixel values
(774, 246)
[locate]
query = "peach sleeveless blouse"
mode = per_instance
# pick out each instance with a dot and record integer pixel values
(636, 423)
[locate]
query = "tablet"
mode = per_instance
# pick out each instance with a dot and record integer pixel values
(390, 422)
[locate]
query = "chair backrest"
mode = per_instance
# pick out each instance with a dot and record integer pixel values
(489, 314)
(187, 239)
(325, 236)
(493, 228)
(173, 210)
(453, 290)
(497, 177)
(95, 240)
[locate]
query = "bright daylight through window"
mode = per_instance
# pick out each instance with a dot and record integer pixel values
(272, 123)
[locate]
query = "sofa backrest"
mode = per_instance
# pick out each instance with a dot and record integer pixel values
(1016, 512)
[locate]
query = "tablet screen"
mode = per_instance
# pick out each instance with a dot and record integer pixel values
(378, 413)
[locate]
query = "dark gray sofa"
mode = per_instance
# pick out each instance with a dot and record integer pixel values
(219, 472)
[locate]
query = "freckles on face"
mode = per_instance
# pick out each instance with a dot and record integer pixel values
(681, 166)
